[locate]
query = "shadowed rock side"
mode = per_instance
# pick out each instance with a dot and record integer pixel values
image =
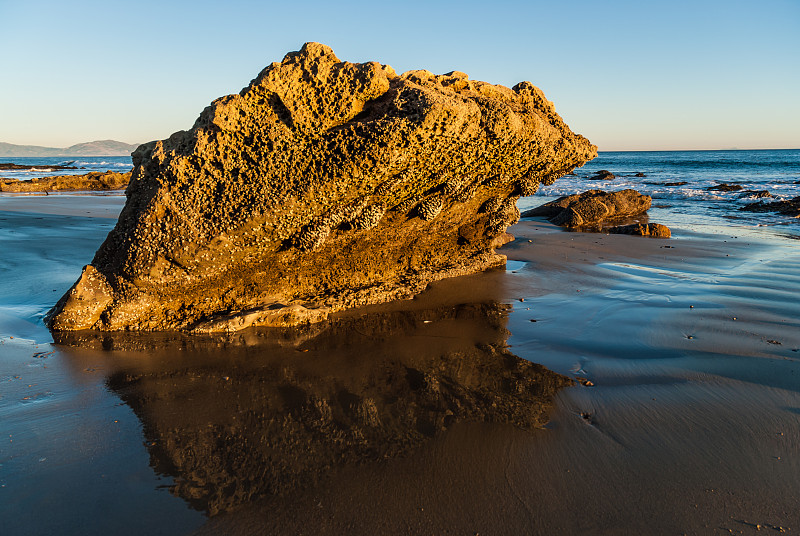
(593, 208)
(94, 180)
(323, 185)
(259, 412)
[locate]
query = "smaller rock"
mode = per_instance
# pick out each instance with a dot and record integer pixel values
(788, 208)
(678, 183)
(592, 207)
(759, 194)
(602, 175)
(654, 230)
(725, 187)
(8, 166)
(640, 174)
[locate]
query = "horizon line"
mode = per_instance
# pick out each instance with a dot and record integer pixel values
(695, 150)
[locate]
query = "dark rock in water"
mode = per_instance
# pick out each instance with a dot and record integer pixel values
(678, 183)
(787, 208)
(592, 207)
(7, 166)
(269, 411)
(94, 180)
(755, 193)
(655, 230)
(640, 174)
(323, 185)
(602, 175)
(725, 187)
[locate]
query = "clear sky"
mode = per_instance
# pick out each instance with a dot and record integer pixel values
(638, 75)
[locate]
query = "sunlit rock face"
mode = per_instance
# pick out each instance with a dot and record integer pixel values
(593, 209)
(269, 411)
(323, 185)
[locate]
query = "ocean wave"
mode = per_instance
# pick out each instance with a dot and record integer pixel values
(103, 163)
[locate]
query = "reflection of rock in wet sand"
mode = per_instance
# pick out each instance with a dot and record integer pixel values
(260, 412)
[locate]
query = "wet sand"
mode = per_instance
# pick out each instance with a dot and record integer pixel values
(692, 424)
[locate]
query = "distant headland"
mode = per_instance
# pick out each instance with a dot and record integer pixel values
(91, 148)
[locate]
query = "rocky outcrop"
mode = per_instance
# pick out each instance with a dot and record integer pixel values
(757, 194)
(789, 207)
(654, 230)
(9, 166)
(724, 187)
(592, 208)
(94, 180)
(321, 186)
(603, 175)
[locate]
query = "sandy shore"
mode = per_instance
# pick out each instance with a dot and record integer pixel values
(692, 424)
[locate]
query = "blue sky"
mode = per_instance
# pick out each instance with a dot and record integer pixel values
(640, 75)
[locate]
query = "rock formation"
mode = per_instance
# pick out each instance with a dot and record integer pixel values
(758, 194)
(789, 207)
(654, 230)
(724, 187)
(323, 185)
(592, 208)
(94, 180)
(603, 175)
(9, 166)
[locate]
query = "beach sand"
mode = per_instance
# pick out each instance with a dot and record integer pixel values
(692, 424)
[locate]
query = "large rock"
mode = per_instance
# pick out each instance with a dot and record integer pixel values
(323, 185)
(592, 208)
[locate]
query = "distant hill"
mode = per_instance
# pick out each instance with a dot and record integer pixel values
(91, 148)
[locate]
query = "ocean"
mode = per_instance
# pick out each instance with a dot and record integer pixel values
(691, 205)
(82, 165)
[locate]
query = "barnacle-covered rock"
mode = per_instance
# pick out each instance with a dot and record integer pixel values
(270, 201)
(369, 217)
(430, 207)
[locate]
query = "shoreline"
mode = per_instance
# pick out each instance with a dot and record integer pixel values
(676, 434)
